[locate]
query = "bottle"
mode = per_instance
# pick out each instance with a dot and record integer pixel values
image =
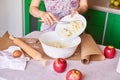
(118, 66)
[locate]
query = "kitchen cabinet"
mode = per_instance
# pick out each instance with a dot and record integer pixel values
(31, 23)
(112, 35)
(104, 27)
(95, 24)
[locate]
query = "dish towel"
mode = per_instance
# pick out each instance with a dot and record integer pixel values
(8, 61)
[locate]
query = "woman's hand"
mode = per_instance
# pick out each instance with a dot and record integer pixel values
(48, 18)
(73, 12)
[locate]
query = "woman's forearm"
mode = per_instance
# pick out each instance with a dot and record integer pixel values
(34, 8)
(34, 11)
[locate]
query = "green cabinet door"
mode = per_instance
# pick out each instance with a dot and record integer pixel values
(95, 24)
(112, 35)
(28, 16)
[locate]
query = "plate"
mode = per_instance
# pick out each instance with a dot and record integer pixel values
(65, 32)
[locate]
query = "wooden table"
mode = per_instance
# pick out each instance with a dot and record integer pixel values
(95, 70)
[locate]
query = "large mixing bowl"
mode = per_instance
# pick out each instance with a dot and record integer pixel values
(55, 47)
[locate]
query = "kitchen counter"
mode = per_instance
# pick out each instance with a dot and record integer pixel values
(95, 70)
(103, 5)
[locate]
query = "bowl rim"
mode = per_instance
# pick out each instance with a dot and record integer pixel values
(40, 39)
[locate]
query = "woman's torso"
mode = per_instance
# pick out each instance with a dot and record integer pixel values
(59, 8)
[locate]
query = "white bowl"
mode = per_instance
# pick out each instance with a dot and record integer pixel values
(60, 27)
(66, 50)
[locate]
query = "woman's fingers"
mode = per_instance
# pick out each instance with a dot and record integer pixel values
(73, 12)
(53, 17)
(41, 20)
(48, 18)
(44, 19)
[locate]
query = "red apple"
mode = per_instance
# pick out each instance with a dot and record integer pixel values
(109, 51)
(74, 74)
(60, 65)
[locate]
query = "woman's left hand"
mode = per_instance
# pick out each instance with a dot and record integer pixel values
(73, 12)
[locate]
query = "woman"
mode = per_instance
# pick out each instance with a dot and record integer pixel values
(55, 10)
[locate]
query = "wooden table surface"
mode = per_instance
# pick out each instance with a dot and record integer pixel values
(95, 70)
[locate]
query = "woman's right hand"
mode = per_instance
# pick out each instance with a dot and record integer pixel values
(48, 18)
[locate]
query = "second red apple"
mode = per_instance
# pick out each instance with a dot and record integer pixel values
(109, 51)
(74, 74)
